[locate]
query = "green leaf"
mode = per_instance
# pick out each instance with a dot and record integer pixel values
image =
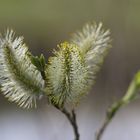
(40, 64)
(137, 79)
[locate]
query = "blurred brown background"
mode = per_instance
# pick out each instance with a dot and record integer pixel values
(46, 23)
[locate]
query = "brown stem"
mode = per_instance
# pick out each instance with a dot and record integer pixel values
(102, 129)
(72, 119)
(75, 126)
(109, 116)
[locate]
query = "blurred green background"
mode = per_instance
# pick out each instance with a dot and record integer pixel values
(46, 23)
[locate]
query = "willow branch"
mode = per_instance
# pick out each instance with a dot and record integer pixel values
(127, 98)
(110, 114)
(72, 119)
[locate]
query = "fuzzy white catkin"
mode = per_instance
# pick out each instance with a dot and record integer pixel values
(73, 69)
(20, 81)
(94, 43)
(68, 76)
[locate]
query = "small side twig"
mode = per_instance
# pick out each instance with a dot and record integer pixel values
(130, 95)
(72, 119)
(102, 129)
(110, 114)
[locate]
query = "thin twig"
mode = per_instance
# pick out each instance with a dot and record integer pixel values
(72, 119)
(75, 126)
(102, 129)
(109, 116)
(127, 98)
